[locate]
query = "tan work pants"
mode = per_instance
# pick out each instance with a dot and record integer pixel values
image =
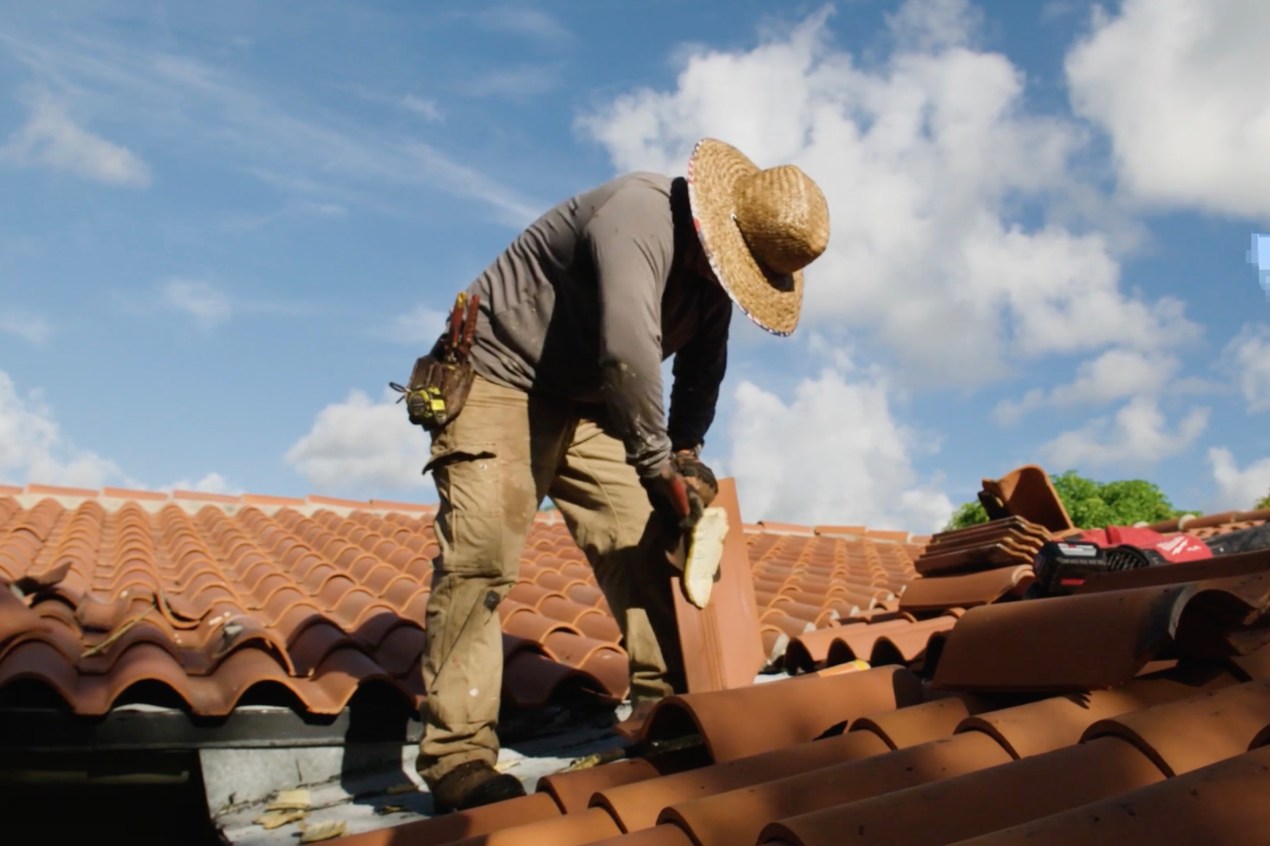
(493, 465)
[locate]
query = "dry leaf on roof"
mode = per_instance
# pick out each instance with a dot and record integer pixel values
(321, 831)
(291, 800)
(276, 819)
(385, 810)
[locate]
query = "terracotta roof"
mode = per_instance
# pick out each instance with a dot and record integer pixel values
(227, 600)
(1146, 708)
(808, 578)
(1213, 525)
(210, 593)
(915, 675)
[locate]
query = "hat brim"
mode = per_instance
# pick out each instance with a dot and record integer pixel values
(774, 302)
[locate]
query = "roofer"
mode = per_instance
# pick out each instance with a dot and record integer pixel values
(563, 399)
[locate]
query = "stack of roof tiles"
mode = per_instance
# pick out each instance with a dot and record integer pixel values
(925, 585)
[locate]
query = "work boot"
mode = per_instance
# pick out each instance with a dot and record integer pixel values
(473, 784)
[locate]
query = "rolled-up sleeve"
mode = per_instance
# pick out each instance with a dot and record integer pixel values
(632, 250)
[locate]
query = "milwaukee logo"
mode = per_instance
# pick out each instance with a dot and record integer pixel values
(1173, 545)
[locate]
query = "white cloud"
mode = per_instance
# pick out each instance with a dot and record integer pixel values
(520, 20)
(514, 83)
(1247, 357)
(1055, 9)
(420, 327)
(29, 327)
(33, 448)
(1137, 435)
(1238, 489)
(935, 25)
(422, 106)
(289, 212)
(354, 162)
(924, 158)
(200, 300)
(210, 483)
(50, 138)
(360, 446)
(1115, 374)
(1180, 87)
(834, 454)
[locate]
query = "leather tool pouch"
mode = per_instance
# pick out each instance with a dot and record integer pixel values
(441, 380)
(437, 392)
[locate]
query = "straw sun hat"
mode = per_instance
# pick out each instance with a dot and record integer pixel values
(758, 228)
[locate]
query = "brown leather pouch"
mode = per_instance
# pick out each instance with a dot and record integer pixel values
(441, 380)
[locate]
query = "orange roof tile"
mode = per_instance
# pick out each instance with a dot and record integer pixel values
(1143, 687)
(129, 493)
(58, 490)
(214, 604)
(393, 505)
(204, 496)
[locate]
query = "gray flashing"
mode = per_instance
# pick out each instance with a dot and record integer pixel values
(366, 787)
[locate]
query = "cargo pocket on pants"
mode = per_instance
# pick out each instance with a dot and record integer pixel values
(469, 524)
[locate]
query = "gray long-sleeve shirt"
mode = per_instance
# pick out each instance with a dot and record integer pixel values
(589, 300)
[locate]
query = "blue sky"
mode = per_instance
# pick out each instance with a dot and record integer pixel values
(226, 227)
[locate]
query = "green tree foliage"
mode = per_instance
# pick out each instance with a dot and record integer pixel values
(968, 514)
(1091, 504)
(1264, 502)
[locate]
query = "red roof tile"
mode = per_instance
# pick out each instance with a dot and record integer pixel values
(214, 605)
(1027, 492)
(1091, 640)
(965, 590)
(315, 499)
(573, 790)
(833, 757)
(270, 500)
(393, 505)
(1222, 803)
(1146, 686)
(786, 528)
(794, 711)
(129, 493)
(58, 490)
(720, 643)
(204, 496)
(1001, 543)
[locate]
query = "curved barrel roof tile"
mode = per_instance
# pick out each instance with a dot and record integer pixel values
(1142, 695)
(191, 593)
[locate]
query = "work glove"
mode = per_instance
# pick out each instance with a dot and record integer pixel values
(673, 497)
(682, 489)
(698, 476)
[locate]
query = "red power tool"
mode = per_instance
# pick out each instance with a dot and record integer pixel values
(1062, 566)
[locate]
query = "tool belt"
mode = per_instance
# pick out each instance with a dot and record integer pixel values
(441, 380)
